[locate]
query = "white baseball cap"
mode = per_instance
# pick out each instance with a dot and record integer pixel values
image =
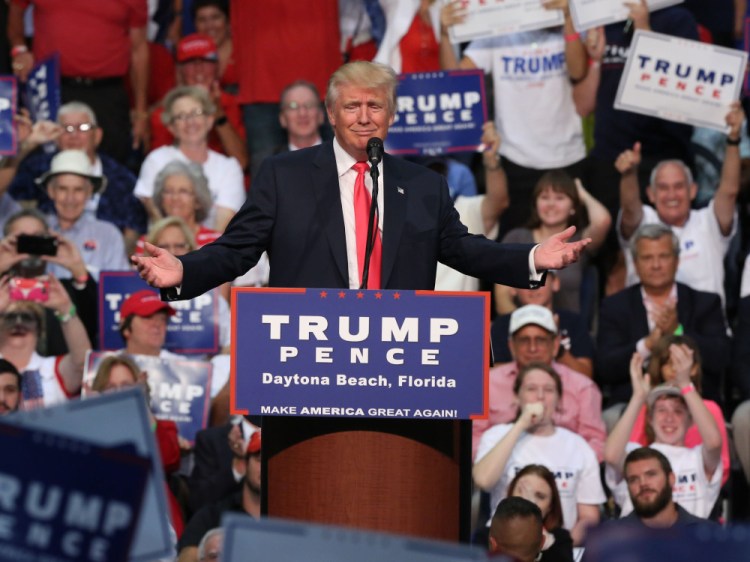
(532, 314)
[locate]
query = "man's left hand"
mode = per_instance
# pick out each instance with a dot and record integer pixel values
(556, 252)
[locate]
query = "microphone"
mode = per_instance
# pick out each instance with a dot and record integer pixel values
(374, 151)
(374, 156)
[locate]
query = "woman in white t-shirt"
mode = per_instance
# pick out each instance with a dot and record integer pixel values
(672, 409)
(534, 439)
(188, 114)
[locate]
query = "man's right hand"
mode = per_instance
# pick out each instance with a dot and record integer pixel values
(628, 161)
(161, 269)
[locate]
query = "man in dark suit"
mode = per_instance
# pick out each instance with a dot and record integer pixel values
(636, 318)
(300, 210)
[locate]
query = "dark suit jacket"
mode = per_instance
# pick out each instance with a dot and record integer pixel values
(294, 212)
(212, 478)
(623, 321)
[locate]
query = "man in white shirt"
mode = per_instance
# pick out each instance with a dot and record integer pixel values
(704, 233)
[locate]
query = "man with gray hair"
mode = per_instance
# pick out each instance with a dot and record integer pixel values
(77, 129)
(637, 317)
(704, 234)
(210, 546)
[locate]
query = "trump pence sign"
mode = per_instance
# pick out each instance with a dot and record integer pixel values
(348, 353)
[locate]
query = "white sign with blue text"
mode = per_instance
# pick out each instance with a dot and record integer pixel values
(681, 80)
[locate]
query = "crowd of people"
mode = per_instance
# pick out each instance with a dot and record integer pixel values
(620, 385)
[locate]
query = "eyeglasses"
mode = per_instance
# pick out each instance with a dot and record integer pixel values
(183, 117)
(294, 106)
(178, 193)
(80, 128)
(172, 248)
(19, 318)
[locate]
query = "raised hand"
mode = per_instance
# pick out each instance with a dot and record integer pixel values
(639, 14)
(451, 14)
(161, 269)
(734, 119)
(641, 383)
(628, 161)
(68, 256)
(556, 252)
(681, 358)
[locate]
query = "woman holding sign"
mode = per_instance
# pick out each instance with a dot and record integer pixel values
(534, 439)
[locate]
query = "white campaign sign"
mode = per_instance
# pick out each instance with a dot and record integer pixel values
(680, 80)
(487, 18)
(593, 13)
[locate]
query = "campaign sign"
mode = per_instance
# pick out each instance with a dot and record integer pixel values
(115, 419)
(8, 100)
(348, 353)
(681, 80)
(279, 540)
(487, 18)
(179, 388)
(593, 13)
(66, 499)
(746, 27)
(193, 330)
(438, 112)
(42, 91)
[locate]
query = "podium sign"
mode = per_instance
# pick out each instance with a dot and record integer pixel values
(349, 353)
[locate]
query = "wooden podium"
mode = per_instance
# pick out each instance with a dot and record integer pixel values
(410, 368)
(402, 476)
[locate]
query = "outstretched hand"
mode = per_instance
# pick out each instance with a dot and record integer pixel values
(556, 252)
(161, 269)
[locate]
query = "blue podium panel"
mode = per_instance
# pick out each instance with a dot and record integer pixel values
(348, 353)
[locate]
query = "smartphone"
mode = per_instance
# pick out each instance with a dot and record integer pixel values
(25, 289)
(36, 245)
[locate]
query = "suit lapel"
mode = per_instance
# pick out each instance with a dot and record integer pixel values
(328, 197)
(394, 198)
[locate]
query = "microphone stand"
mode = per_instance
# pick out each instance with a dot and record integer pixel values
(372, 225)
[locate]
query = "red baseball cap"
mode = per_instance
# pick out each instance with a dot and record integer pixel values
(144, 303)
(196, 46)
(253, 446)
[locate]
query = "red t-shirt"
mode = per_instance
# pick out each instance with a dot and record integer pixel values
(93, 37)
(276, 43)
(420, 51)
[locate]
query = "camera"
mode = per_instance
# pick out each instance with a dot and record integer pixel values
(36, 245)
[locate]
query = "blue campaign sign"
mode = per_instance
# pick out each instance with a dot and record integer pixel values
(179, 388)
(347, 353)
(438, 112)
(8, 101)
(278, 540)
(113, 420)
(193, 330)
(42, 91)
(67, 499)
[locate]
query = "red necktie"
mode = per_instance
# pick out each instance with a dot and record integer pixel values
(361, 216)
